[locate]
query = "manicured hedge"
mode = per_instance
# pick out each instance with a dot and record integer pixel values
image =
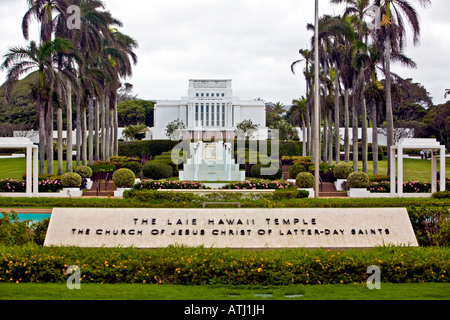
(151, 148)
(202, 266)
(158, 147)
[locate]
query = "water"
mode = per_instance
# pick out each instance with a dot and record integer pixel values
(33, 217)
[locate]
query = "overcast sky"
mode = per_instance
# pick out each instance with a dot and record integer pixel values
(252, 42)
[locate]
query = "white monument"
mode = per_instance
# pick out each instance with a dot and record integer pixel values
(209, 110)
(32, 160)
(211, 162)
(421, 144)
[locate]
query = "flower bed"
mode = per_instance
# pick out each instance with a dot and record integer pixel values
(20, 186)
(408, 187)
(171, 185)
(203, 266)
(256, 184)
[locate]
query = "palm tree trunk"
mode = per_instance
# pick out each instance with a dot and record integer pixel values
(97, 129)
(116, 128)
(304, 147)
(91, 131)
(79, 130)
(330, 137)
(325, 138)
(355, 131)
(112, 136)
(374, 138)
(347, 128)
(364, 134)
(49, 127)
(103, 129)
(337, 121)
(84, 146)
(389, 117)
(69, 165)
(42, 135)
(308, 128)
(60, 141)
(107, 131)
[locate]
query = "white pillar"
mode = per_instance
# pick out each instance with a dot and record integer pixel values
(433, 173)
(443, 185)
(36, 170)
(400, 171)
(393, 171)
(29, 170)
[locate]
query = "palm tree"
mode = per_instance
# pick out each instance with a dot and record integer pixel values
(306, 54)
(297, 116)
(393, 33)
(20, 61)
(447, 93)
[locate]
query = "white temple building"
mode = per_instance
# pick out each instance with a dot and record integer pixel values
(210, 110)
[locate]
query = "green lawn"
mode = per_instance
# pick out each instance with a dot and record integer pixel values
(426, 291)
(16, 168)
(414, 169)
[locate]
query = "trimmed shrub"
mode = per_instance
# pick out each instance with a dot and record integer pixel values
(133, 166)
(124, 178)
(154, 195)
(71, 180)
(290, 194)
(358, 180)
(342, 170)
(441, 195)
(84, 171)
(305, 180)
(157, 170)
(295, 170)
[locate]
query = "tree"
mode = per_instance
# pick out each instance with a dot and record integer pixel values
(438, 120)
(297, 115)
(20, 61)
(246, 129)
(392, 33)
(306, 54)
(173, 129)
(135, 132)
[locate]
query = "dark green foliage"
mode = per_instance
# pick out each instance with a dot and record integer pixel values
(124, 178)
(133, 166)
(441, 195)
(14, 232)
(295, 170)
(431, 225)
(358, 180)
(290, 194)
(210, 266)
(150, 148)
(154, 195)
(305, 180)
(157, 170)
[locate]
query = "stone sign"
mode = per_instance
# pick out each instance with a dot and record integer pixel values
(231, 228)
